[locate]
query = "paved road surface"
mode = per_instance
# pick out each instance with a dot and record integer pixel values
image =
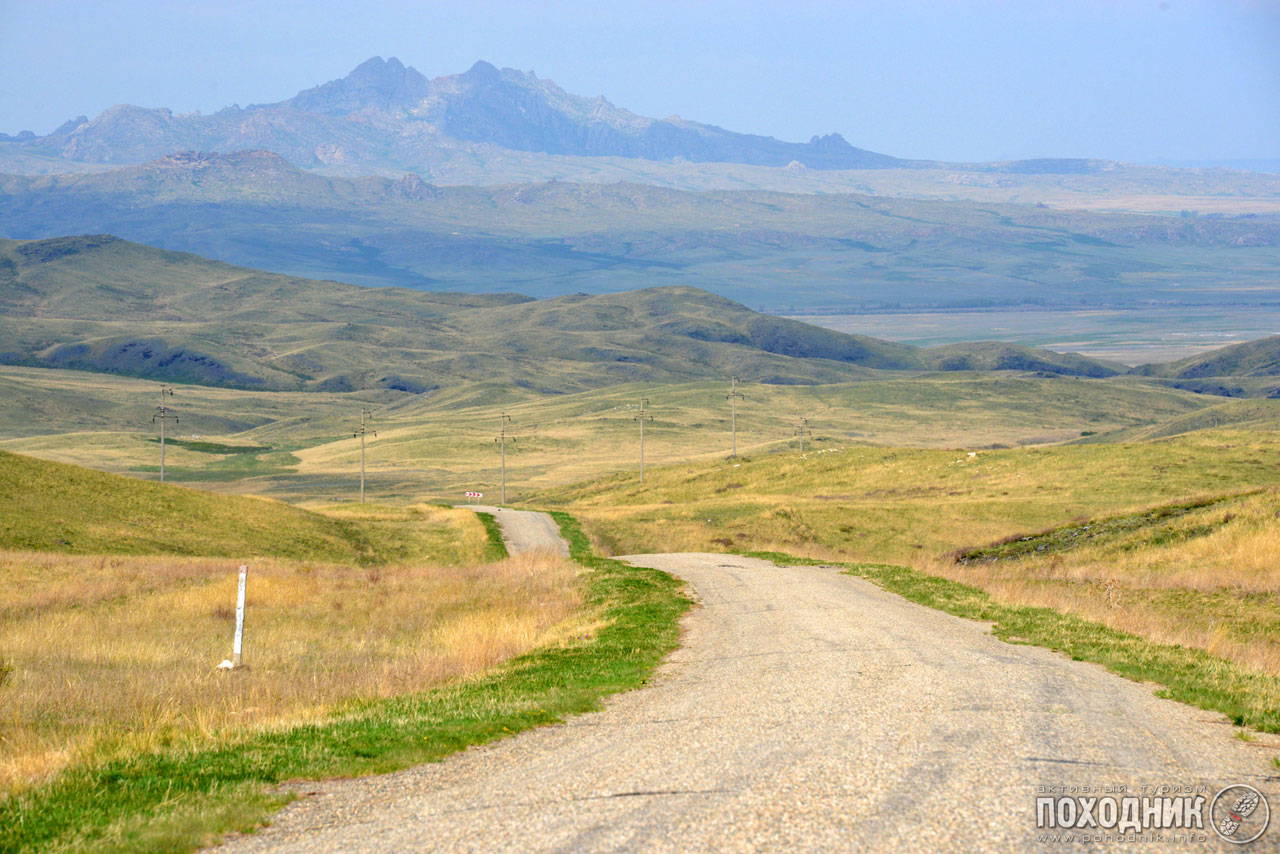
(806, 710)
(523, 530)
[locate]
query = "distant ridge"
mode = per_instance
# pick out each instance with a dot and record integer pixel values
(1259, 358)
(256, 209)
(385, 115)
(99, 303)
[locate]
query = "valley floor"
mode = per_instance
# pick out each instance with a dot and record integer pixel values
(1130, 336)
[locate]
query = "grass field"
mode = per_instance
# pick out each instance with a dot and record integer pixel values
(113, 655)
(376, 636)
(117, 599)
(1171, 582)
(182, 795)
(1200, 574)
(896, 504)
(439, 446)
(57, 507)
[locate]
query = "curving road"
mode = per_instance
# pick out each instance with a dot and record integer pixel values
(525, 530)
(805, 710)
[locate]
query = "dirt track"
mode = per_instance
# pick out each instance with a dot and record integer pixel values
(524, 531)
(806, 710)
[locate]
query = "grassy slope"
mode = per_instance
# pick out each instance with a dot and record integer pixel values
(899, 504)
(495, 547)
(1200, 573)
(1233, 414)
(110, 305)
(1259, 358)
(105, 304)
(62, 508)
(182, 799)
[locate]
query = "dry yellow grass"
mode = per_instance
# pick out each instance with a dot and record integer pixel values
(114, 654)
(1212, 583)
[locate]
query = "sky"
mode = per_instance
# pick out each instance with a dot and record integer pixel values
(1134, 80)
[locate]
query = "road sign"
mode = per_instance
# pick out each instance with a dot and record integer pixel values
(475, 495)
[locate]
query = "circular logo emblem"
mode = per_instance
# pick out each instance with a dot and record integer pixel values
(1240, 814)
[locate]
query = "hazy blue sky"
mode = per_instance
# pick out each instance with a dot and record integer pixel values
(1128, 79)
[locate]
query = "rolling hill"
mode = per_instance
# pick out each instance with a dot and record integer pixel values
(100, 303)
(1251, 359)
(57, 507)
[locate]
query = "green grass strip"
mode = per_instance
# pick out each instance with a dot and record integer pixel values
(496, 548)
(1188, 675)
(180, 799)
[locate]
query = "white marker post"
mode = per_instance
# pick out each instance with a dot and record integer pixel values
(238, 646)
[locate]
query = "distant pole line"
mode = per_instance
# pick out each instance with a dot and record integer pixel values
(361, 432)
(801, 429)
(642, 417)
(734, 396)
(503, 419)
(163, 414)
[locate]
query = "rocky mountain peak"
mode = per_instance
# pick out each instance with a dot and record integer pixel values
(484, 73)
(383, 84)
(832, 142)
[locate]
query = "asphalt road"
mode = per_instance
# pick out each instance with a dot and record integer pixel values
(805, 710)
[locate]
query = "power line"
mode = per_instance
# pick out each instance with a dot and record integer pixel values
(642, 417)
(163, 414)
(802, 430)
(361, 432)
(503, 436)
(734, 396)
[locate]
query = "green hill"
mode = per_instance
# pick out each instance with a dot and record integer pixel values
(99, 303)
(1000, 356)
(1232, 414)
(1259, 358)
(63, 508)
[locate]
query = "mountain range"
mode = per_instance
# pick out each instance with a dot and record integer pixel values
(490, 125)
(386, 115)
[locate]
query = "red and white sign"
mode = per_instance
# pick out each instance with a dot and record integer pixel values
(475, 495)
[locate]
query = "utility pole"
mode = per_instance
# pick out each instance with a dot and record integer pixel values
(734, 396)
(502, 440)
(642, 417)
(801, 429)
(163, 414)
(364, 413)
